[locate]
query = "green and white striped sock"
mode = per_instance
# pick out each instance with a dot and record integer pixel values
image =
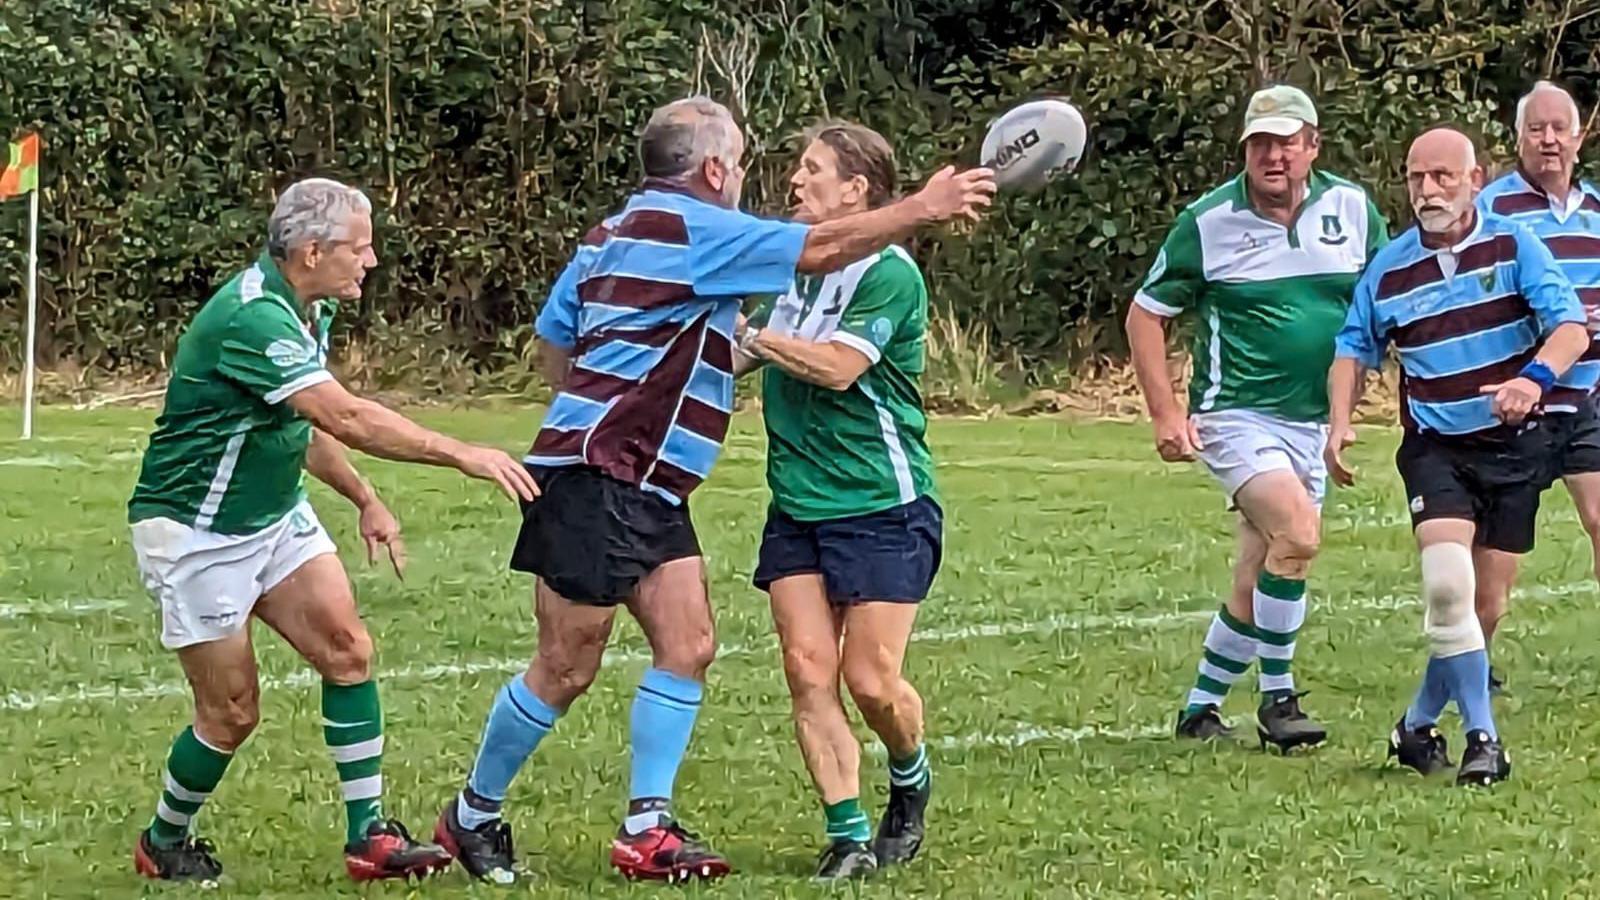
(911, 772)
(1230, 645)
(1280, 610)
(194, 768)
(352, 724)
(845, 821)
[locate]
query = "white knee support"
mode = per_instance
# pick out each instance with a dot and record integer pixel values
(1448, 588)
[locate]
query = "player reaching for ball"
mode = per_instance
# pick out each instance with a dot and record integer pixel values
(1266, 264)
(854, 533)
(637, 334)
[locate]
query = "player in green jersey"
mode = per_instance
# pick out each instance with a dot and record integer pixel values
(1266, 264)
(854, 533)
(223, 532)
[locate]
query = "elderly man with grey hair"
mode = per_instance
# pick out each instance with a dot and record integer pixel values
(638, 333)
(224, 535)
(1544, 194)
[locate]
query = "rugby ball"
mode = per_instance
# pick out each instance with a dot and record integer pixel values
(1027, 146)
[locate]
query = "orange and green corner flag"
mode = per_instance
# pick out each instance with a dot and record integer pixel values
(22, 175)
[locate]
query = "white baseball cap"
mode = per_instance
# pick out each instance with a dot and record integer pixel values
(1281, 110)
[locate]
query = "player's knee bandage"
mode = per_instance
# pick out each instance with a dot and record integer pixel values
(1448, 586)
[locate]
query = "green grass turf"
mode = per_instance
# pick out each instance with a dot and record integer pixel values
(1082, 568)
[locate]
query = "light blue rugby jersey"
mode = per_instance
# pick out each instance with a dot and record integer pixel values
(1570, 228)
(1461, 317)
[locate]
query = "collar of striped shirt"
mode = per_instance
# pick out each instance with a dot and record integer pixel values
(1516, 194)
(1462, 317)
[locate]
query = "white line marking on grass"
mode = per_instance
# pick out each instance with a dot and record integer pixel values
(58, 608)
(1025, 734)
(18, 700)
(46, 461)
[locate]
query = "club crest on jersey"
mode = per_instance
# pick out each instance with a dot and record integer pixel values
(882, 329)
(1333, 231)
(1486, 281)
(1251, 242)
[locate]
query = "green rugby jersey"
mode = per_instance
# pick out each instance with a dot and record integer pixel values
(832, 454)
(227, 454)
(1268, 299)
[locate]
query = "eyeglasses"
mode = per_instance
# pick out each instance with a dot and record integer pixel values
(1444, 178)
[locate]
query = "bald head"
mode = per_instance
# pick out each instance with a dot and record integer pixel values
(1445, 145)
(1443, 178)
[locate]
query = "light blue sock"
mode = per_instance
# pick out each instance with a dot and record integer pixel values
(664, 710)
(1468, 676)
(1432, 696)
(517, 722)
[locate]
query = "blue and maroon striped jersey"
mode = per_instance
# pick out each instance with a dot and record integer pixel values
(647, 308)
(1461, 317)
(1570, 227)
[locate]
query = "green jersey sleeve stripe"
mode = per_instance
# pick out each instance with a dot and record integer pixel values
(864, 347)
(1153, 305)
(310, 379)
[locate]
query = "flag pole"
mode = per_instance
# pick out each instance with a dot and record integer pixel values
(33, 308)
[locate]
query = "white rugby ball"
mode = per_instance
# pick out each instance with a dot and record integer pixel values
(1027, 146)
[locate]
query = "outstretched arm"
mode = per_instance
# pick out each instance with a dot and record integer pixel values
(834, 244)
(375, 429)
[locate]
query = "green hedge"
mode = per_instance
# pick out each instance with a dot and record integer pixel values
(490, 133)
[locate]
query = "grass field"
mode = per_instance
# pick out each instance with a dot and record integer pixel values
(1061, 636)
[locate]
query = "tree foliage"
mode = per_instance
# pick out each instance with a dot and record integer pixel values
(491, 133)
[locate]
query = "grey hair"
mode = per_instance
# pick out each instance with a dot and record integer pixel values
(312, 211)
(682, 134)
(1541, 87)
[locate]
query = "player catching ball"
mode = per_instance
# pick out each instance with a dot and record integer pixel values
(854, 532)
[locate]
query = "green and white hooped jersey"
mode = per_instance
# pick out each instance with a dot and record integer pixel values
(1268, 299)
(228, 455)
(833, 454)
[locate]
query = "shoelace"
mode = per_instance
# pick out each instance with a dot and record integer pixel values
(691, 841)
(394, 827)
(195, 857)
(499, 835)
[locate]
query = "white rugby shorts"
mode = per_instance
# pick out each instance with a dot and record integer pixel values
(1240, 444)
(208, 583)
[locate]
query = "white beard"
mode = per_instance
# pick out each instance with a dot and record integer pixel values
(1435, 219)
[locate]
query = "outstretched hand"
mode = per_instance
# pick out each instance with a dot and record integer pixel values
(950, 194)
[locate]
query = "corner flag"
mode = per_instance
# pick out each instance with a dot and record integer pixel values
(22, 177)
